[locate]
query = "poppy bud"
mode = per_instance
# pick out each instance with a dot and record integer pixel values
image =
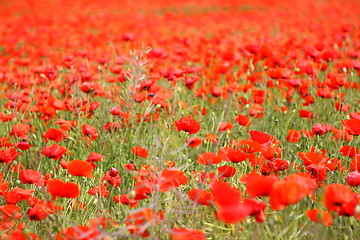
(113, 172)
(132, 194)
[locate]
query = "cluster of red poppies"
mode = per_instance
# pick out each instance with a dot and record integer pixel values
(262, 87)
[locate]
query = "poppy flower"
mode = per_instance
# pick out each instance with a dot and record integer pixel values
(54, 151)
(17, 194)
(53, 134)
(58, 188)
(349, 151)
(79, 232)
(319, 216)
(111, 178)
(89, 132)
(236, 155)
(10, 211)
(130, 167)
(186, 234)
(249, 146)
(4, 142)
(66, 125)
(187, 124)
(355, 164)
(339, 198)
(290, 191)
(41, 210)
(171, 178)
(293, 136)
(305, 114)
(20, 130)
(193, 142)
(80, 168)
(256, 209)
(210, 137)
(99, 190)
(111, 127)
(200, 196)
(225, 126)
(23, 145)
(335, 80)
(209, 158)
(228, 199)
(95, 157)
(8, 155)
(143, 189)
(258, 185)
(138, 222)
(352, 126)
(139, 151)
(32, 177)
(226, 171)
(243, 120)
(320, 129)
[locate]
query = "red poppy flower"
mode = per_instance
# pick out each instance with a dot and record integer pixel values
(126, 200)
(20, 130)
(256, 209)
(187, 124)
(352, 126)
(138, 222)
(8, 155)
(209, 158)
(53, 134)
(37, 212)
(111, 178)
(23, 145)
(171, 178)
(305, 113)
(139, 151)
(225, 126)
(200, 196)
(89, 132)
(79, 232)
(236, 155)
(349, 151)
(320, 216)
(320, 129)
(293, 136)
(95, 157)
(228, 200)
(243, 120)
(290, 191)
(339, 198)
(80, 168)
(4, 142)
(54, 151)
(226, 171)
(58, 188)
(99, 190)
(32, 177)
(258, 185)
(250, 146)
(187, 234)
(66, 125)
(335, 81)
(10, 211)
(193, 142)
(17, 194)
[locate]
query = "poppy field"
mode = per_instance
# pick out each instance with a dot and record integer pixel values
(181, 120)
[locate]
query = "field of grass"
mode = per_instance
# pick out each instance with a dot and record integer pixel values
(179, 120)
